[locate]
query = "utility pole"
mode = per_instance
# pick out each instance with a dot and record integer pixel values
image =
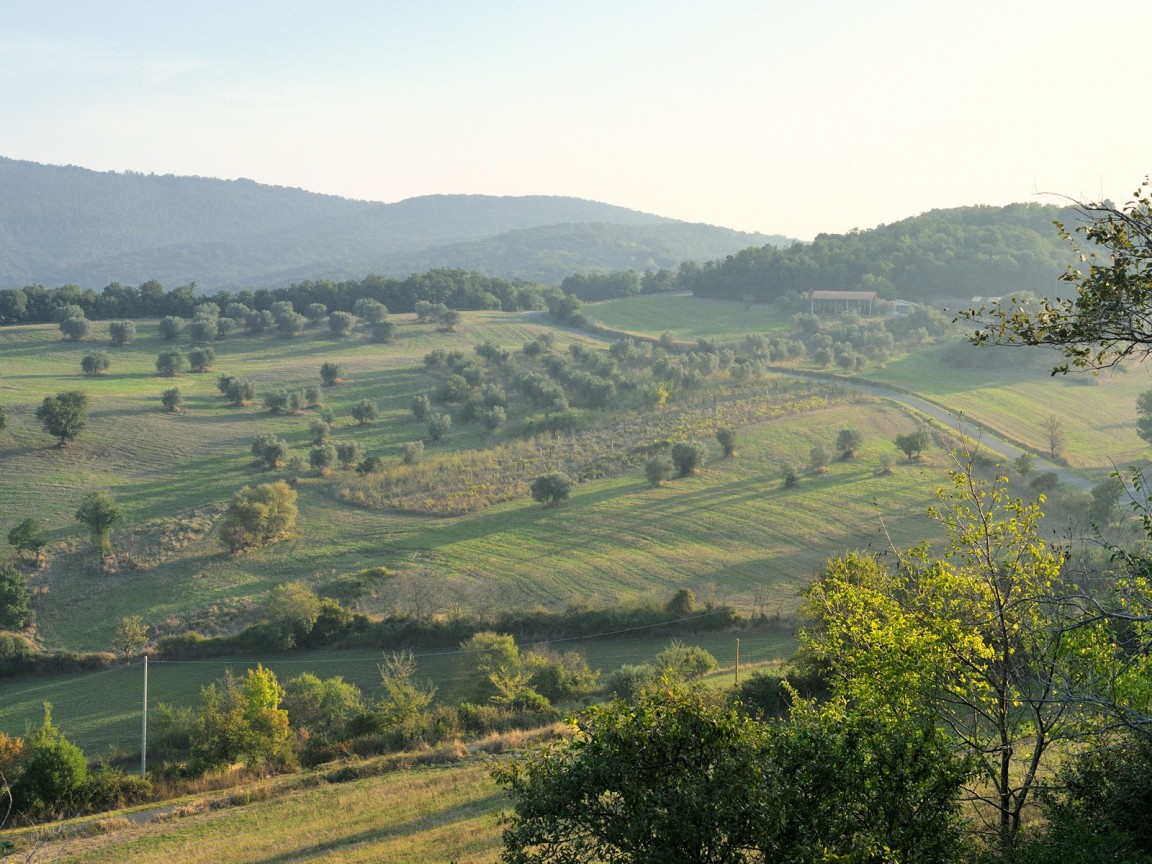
(737, 662)
(144, 725)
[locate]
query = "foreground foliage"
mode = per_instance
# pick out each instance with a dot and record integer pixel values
(683, 776)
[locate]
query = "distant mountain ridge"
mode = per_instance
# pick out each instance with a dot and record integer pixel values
(64, 224)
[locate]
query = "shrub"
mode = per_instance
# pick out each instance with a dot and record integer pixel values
(726, 436)
(551, 489)
(438, 426)
(257, 515)
(412, 452)
(170, 363)
(341, 324)
(122, 332)
(659, 470)
(172, 400)
(201, 359)
(74, 329)
(365, 411)
(688, 457)
(421, 406)
(95, 363)
(322, 458)
(170, 327)
(331, 373)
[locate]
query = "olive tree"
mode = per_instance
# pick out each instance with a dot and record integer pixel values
(95, 363)
(170, 363)
(172, 400)
(551, 489)
(688, 457)
(122, 332)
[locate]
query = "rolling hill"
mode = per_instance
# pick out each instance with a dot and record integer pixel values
(64, 224)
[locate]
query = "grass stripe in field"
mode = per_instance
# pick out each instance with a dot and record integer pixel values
(419, 816)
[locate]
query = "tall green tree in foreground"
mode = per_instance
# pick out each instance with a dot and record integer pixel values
(64, 415)
(986, 641)
(685, 775)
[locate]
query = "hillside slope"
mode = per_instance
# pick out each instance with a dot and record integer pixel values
(69, 224)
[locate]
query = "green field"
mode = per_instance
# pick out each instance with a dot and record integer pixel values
(1009, 390)
(686, 317)
(432, 814)
(732, 533)
(101, 712)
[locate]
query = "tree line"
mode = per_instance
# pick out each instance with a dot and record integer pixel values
(456, 289)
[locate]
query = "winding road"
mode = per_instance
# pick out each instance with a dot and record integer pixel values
(964, 425)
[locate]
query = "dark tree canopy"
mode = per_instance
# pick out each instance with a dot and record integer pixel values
(551, 489)
(64, 415)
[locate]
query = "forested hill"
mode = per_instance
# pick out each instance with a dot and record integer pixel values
(71, 225)
(955, 253)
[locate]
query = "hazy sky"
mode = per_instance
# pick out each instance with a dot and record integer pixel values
(792, 118)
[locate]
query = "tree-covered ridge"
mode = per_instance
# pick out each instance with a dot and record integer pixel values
(70, 224)
(954, 253)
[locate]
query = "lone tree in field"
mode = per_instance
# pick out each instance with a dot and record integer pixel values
(914, 443)
(201, 359)
(95, 363)
(64, 415)
(688, 457)
(26, 539)
(331, 373)
(170, 327)
(551, 489)
(848, 441)
(100, 513)
(259, 514)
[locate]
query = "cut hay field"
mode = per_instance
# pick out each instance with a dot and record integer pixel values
(686, 317)
(433, 814)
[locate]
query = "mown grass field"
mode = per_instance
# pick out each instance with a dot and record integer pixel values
(435, 814)
(730, 532)
(686, 317)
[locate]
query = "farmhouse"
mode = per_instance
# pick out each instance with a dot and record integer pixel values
(835, 302)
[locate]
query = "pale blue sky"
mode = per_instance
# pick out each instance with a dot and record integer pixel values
(790, 118)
